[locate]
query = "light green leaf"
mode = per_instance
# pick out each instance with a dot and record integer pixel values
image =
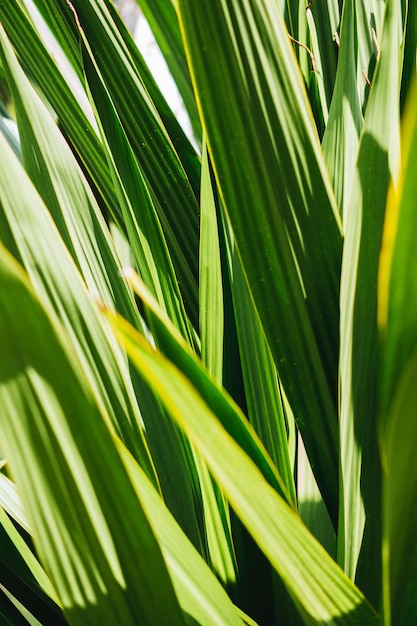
(211, 288)
(311, 507)
(144, 231)
(216, 514)
(56, 278)
(23, 576)
(172, 345)
(263, 392)
(397, 309)
(378, 161)
(39, 64)
(341, 137)
(11, 502)
(199, 592)
(273, 181)
(9, 613)
(322, 593)
(91, 534)
(26, 225)
(172, 183)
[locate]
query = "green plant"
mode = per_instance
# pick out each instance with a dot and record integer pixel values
(226, 433)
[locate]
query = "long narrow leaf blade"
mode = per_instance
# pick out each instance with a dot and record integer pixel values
(141, 219)
(233, 420)
(341, 137)
(322, 593)
(25, 226)
(211, 288)
(199, 592)
(161, 165)
(39, 64)
(279, 202)
(397, 321)
(378, 161)
(92, 537)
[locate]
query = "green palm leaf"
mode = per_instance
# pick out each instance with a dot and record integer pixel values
(63, 455)
(397, 306)
(248, 98)
(225, 433)
(377, 163)
(319, 588)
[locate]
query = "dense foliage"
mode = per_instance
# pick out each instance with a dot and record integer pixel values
(208, 407)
